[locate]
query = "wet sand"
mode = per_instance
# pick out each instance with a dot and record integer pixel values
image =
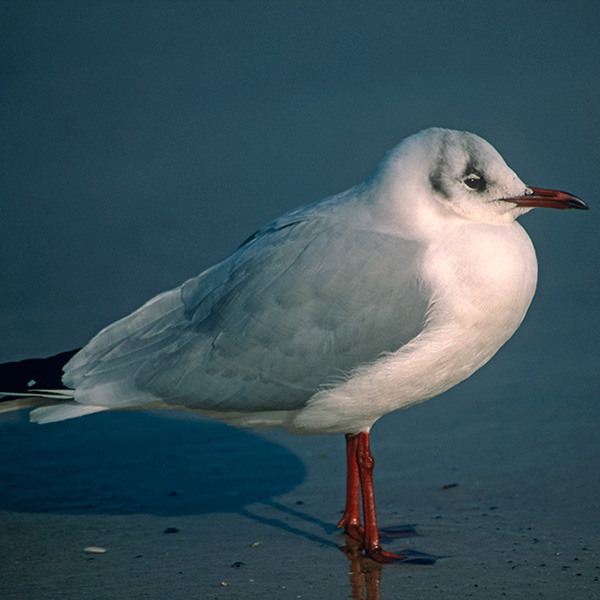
(184, 507)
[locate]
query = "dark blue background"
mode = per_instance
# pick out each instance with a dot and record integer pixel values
(143, 141)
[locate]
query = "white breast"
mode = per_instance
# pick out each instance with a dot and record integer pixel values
(485, 276)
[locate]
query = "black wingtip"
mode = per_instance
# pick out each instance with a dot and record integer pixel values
(34, 373)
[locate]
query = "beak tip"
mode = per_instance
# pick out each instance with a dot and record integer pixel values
(580, 205)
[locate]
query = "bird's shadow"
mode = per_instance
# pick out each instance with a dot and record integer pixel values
(138, 462)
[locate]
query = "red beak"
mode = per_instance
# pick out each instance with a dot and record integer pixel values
(549, 199)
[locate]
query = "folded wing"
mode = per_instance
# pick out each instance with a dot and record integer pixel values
(300, 305)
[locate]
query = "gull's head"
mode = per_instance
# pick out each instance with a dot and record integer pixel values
(457, 174)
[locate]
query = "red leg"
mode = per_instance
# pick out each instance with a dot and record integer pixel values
(351, 519)
(371, 543)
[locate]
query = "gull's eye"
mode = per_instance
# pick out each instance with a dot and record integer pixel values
(475, 182)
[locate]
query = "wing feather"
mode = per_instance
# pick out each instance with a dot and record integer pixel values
(301, 304)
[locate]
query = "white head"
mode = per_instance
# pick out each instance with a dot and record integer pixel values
(456, 174)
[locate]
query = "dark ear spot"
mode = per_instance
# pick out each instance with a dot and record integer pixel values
(438, 170)
(436, 179)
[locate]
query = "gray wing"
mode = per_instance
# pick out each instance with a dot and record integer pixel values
(298, 306)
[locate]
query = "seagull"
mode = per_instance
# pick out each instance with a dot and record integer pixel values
(332, 315)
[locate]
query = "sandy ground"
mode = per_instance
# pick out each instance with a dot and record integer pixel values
(142, 142)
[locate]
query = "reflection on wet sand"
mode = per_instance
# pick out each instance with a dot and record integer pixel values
(365, 574)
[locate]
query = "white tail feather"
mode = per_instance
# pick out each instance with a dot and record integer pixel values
(44, 394)
(50, 405)
(60, 412)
